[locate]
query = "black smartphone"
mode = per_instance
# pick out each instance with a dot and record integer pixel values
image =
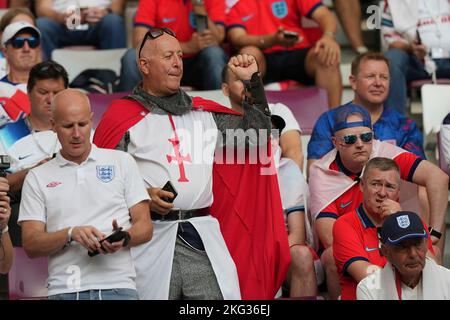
(418, 39)
(290, 34)
(169, 187)
(201, 22)
(115, 236)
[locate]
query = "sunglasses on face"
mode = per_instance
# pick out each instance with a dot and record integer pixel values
(350, 139)
(19, 42)
(155, 33)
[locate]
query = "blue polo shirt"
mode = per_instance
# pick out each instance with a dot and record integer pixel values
(390, 127)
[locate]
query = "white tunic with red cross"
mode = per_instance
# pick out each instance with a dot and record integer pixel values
(179, 149)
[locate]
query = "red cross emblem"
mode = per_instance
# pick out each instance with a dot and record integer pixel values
(179, 158)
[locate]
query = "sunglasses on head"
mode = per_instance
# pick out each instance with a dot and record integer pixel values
(349, 139)
(155, 33)
(19, 42)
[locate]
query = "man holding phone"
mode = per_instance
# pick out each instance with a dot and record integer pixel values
(71, 202)
(200, 27)
(272, 31)
(417, 44)
(202, 247)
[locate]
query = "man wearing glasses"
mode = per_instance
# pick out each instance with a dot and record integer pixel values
(370, 80)
(21, 47)
(334, 180)
(175, 138)
(200, 28)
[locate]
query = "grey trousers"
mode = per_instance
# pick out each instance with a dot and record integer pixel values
(192, 275)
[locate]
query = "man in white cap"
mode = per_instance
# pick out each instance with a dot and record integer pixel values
(409, 274)
(21, 46)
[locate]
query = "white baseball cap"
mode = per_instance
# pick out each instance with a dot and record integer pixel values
(14, 28)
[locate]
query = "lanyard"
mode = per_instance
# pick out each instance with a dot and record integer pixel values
(398, 284)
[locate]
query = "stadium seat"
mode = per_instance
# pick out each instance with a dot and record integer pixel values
(28, 277)
(306, 104)
(436, 105)
(99, 103)
(75, 61)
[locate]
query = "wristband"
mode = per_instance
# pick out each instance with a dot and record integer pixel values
(5, 230)
(69, 236)
(330, 34)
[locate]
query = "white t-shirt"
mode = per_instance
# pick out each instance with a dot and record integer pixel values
(33, 148)
(434, 23)
(61, 194)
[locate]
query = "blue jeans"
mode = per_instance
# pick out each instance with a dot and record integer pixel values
(107, 294)
(202, 71)
(108, 33)
(405, 68)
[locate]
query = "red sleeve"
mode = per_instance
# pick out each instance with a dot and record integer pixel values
(146, 13)
(408, 163)
(330, 211)
(216, 10)
(234, 18)
(307, 7)
(347, 245)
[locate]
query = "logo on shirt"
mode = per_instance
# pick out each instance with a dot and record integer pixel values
(105, 173)
(53, 184)
(403, 221)
(343, 205)
(24, 157)
(246, 18)
(280, 9)
(370, 249)
(169, 20)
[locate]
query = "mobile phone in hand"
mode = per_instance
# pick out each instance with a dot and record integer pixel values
(418, 38)
(169, 187)
(201, 22)
(290, 35)
(115, 236)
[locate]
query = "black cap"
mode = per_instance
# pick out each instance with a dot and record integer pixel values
(400, 226)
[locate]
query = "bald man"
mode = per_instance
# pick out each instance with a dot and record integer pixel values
(71, 203)
(174, 138)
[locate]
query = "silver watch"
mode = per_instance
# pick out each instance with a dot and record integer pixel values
(197, 2)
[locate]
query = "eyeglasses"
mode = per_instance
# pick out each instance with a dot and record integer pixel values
(350, 139)
(155, 33)
(19, 42)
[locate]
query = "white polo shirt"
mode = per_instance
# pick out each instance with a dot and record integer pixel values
(61, 194)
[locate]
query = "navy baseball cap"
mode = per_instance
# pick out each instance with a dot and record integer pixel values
(343, 112)
(400, 226)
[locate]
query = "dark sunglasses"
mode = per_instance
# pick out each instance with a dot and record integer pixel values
(155, 33)
(349, 139)
(19, 42)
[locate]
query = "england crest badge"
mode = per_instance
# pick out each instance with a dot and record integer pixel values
(105, 173)
(403, 221)
(280, 9)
